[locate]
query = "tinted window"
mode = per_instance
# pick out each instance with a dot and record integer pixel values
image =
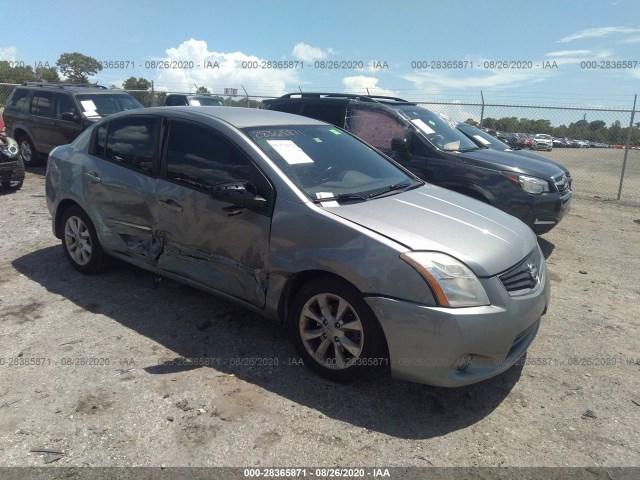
(195, 154)
(42, 104)
(19, 98)
(375, 127)
(325, 112)
(205, 101)
(173, 101)
(130, 141)
(101, 139)
(65, 105)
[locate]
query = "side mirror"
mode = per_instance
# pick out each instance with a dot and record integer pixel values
(401, 145)
(70, 117)
(242, 194)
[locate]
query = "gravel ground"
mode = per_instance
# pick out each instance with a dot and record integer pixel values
(82, 369)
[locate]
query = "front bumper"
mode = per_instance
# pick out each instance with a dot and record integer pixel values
(7, 167)
(426, 343)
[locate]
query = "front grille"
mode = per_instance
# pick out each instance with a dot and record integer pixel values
(562, 184)
(525, 277)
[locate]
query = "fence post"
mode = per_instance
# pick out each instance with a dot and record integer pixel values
(626, 146)
(482, 111)
(246, 95)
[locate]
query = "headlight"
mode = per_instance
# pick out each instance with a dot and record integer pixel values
(452, 282)
(529, 184)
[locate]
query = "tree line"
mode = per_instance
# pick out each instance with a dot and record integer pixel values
(595, 131)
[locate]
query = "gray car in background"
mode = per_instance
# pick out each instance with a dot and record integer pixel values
(297, 220)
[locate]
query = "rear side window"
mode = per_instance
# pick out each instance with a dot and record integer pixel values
(42, 104)
(325, 112)
(131, 142)
(19, 98)
(375, 128)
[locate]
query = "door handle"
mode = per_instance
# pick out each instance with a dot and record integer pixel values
(171, 205)
(95, 178)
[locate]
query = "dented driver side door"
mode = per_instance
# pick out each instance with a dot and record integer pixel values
(203, 239)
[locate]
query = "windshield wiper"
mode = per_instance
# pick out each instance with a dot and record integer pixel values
(470, 149)
(390, 188)
(342, 197)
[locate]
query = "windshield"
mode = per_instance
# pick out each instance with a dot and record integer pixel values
(482, 138)
(206, 101)
(326, 163)
(106, 104)
(438, 129)
(543, 136)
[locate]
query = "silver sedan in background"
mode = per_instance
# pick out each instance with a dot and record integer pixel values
(293, 218)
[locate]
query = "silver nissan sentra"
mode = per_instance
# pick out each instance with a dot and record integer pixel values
(296, 219)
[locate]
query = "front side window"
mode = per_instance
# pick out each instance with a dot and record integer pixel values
(438, 129)
(131, 141)
(65, 105)
(199, 157)
(325, 162)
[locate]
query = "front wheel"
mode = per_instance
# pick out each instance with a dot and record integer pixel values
(28, 152)
(335, 331)
(80, 242)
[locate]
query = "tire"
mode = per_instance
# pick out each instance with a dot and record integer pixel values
(28, 152)
(328, 348)
(17, 178)
(80, 242)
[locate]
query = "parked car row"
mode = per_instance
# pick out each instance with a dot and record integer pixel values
(565, 142)
(535, 190)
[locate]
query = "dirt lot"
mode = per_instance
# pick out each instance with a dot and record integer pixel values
(82, 371)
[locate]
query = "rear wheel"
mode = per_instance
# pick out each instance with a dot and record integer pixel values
(335, 331)
(80, 242)
(28, 152)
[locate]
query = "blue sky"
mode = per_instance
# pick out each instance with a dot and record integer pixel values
(396, 32)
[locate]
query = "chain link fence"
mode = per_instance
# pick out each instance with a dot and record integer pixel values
(601, 147)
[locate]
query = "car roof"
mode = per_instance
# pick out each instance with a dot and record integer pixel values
(69, 88)
(239, 117)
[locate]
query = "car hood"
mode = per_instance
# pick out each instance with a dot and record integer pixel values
(539, 158)
(431, 218)
(513, 162)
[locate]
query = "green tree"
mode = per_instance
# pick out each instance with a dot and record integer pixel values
(203, 90)
(78, 67)
(133, 83)
(471, 121)
(45, 74)
(15, 74)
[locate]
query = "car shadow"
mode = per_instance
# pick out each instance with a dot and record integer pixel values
(194, 324)
(546, 246)
(40, 170)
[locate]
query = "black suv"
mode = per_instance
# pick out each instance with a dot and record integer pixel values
(41, 116)
(176, 99)
(429, 145)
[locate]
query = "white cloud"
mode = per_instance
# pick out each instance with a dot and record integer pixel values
(597, 33)
(566, 53)
(307, 53)
(493, 79)
(630, 40)
(362, 84)
(8, 54)
(228, 71)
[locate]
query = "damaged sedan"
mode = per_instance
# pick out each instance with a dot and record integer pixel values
(365, 264)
